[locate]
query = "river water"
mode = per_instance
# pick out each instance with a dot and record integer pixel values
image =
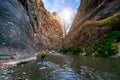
(69, 67)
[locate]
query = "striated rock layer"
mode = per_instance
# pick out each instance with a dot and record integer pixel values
(26, 26)
(16, 33)
(51, 28)
(95, 9)
(94, 25)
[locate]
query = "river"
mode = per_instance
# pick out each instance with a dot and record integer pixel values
(69, 67)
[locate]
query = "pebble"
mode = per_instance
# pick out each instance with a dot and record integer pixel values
(43, 68)
(6, 71)
(24, 73)
(22, 65)
(19, 78)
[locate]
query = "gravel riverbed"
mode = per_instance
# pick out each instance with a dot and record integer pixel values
(6, 71)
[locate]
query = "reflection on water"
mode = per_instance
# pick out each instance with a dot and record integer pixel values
(69, 67)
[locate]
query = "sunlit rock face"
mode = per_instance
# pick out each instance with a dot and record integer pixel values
(86, 6)
(48, 31)
(94, 10)
(85, 29)
(108, 10)
(51, 28)
(56, 17)
(16, 33)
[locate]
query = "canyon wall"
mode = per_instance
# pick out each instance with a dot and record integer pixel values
(16, 33)
(26, 27)
(95, 28)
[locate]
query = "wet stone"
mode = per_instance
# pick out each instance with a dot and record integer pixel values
(19, 78)
(6, 71)
(2, 77)
(24, 73)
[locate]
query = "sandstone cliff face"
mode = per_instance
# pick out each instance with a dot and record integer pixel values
(56, 17)
(95, 9)
(26, 26)
(48, 30)
(51, 28)
(93, 23)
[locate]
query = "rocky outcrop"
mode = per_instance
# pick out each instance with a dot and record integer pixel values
(48, 30)
(16, 33)
(51, 28)
(56, 17)
(93, 26)
(26, 26)
(94, 10)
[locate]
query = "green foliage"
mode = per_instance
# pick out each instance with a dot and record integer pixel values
(89, 53)
(74, 51)
(104, 46)
(108, 45)
(110, 20)
(107, 22)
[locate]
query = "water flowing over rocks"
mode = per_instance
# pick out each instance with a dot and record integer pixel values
(26, 27)
(68, 67)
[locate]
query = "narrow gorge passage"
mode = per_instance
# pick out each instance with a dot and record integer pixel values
(81, 38)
